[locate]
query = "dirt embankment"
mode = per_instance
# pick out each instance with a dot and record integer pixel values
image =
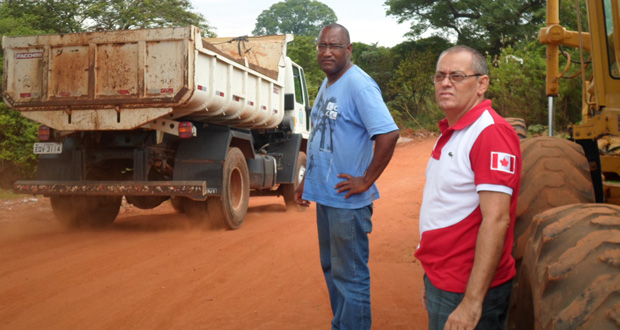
(152, 270)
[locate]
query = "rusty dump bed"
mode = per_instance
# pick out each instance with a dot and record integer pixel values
(123, 80)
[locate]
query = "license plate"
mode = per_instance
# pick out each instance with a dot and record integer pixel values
(47, 148)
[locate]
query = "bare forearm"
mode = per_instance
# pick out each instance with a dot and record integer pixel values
(489, 248)
(384, 150)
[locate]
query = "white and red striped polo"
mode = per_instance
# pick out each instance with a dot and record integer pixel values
(481, 152)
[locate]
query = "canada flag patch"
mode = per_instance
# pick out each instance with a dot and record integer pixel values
(503, 162)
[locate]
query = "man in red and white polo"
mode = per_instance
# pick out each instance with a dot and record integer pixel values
(470, 201)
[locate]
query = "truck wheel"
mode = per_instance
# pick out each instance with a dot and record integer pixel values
(232, 204)
(93, 211)
(288, 189)
(65, 211)
(519, 125)
(569, 278)
(146, 202)
(177, 204)
(198, 213)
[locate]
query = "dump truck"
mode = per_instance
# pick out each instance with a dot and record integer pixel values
(567, 232)
(151, 115)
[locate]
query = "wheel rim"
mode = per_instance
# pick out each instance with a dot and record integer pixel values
(236, 189)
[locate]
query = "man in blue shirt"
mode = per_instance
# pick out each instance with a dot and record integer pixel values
(349, 117)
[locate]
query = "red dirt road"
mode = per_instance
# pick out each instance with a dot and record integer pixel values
(152, 270)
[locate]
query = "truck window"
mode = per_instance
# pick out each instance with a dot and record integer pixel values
(299, 94)
(305, 87)
(611, 24)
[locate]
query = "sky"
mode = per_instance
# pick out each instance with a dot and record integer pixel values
(365, 19)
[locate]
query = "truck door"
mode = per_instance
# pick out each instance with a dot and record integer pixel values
(302, 104)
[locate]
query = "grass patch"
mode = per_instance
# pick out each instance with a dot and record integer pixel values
(8, 194)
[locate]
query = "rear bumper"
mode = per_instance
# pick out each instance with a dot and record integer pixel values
(192, 189)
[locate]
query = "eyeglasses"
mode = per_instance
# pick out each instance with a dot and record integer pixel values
(333, 47)
(454, 77)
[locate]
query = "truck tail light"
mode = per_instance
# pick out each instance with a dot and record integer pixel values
(44, 133)
(186, 130)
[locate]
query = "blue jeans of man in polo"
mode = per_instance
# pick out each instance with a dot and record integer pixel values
(440, 304)
(343, 245)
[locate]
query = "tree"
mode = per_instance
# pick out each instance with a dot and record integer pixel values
(300, 17)
(410, 92)
(517, 86)
(484, 25)
(379, 62)
(131, 14)
(434, 44)
(67, 16)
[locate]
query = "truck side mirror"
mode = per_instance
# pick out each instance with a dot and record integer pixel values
(289, 101)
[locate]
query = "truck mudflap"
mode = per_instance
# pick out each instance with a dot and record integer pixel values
(196, 190)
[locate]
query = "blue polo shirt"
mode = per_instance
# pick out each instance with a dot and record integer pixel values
(345, 118)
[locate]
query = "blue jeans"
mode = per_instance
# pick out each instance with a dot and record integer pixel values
(343, 244)
(440, 304)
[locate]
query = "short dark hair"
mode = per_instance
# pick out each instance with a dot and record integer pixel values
(478, 62)
(344, 30)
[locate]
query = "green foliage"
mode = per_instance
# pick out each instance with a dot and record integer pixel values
(132, 14)
(434, 44)
(411, 92)
(67, 16)
(300, 17)
(536, 129)
(17, 135)
(7, 194)
(379, 62)
(47, 16)
(303, 52)
(484, 25)
(517, 87)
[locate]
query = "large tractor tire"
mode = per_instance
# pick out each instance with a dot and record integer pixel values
(519, 125)
(570, 276)
(288, 189)
(555, 172)
(91, 211)
(231, 206)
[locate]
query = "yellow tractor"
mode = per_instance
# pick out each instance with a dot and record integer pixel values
(567, 234)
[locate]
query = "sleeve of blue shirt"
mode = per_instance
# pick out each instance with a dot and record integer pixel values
(373, 111)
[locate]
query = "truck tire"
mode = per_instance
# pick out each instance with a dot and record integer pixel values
(92, 211)
(231, 206)
(519, 125)
(177, 204)
(198, 213)
(569, 277)
(146, 202)
(555, 172)
(288, 189)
